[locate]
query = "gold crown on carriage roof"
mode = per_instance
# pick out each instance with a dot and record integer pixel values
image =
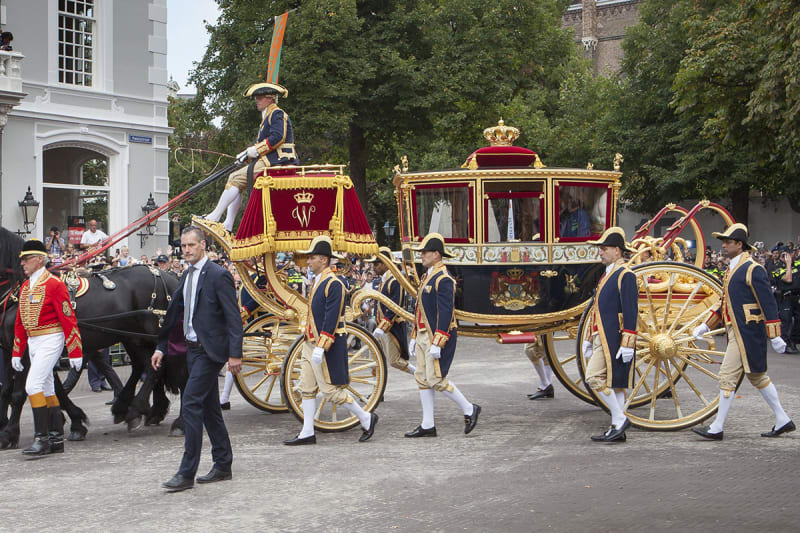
(304, 197)
(501, 135)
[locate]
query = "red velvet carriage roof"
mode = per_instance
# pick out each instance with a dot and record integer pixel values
(286, 211)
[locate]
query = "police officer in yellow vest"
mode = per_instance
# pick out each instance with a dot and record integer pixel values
(750, 316)
(323, 365)
(434, 338)
(613, 343)
(391, 330)
(274, 146)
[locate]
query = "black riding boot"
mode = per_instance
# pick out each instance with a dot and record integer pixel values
(41, 440)
(56, 426)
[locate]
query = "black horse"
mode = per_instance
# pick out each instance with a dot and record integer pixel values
(129, 313)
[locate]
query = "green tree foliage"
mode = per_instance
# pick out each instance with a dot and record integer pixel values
(370, 80)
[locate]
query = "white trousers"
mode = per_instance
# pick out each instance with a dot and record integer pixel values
(44, 351)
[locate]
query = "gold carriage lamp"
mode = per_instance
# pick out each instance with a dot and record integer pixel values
(501, 152)
(285, 212)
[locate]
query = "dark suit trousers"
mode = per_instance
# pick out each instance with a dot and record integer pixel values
(200, 407)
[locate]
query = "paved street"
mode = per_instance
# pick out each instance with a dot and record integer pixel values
(528, 466)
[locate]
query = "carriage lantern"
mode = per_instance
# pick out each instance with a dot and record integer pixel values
(150, 229)
(30, 208)
(388, 230)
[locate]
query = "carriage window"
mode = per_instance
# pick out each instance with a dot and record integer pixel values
(512, 217)
(444, 210)
(583, 211)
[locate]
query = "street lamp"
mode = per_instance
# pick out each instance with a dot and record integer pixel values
(150, 228)
(388, 230)
(30, 208)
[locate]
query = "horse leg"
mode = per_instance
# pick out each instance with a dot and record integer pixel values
(160, 405)
(177, 428)
(9, 436)
(140, 406)
(5, 394)
(74, 375)
(78, 419)
(125, 397)
(175, 377)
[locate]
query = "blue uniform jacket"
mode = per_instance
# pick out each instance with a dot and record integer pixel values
(615, 312)
(275, 142)
(248, 304)
(387, 319)
(435, 313)
(749, 307)
(326, 327)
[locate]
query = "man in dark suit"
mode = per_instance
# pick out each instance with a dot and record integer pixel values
(212, 326)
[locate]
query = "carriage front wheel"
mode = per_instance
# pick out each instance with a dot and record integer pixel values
(266, 342)
(367, 380)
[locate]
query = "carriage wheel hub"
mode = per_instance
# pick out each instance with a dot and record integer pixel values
(663, 347)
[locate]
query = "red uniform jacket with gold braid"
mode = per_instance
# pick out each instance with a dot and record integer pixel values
(44, 309)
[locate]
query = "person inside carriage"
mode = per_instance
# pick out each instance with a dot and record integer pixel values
(274, 147)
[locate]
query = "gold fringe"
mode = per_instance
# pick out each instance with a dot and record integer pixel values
(279, 183)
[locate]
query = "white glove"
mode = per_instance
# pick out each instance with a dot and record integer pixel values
(436, 352)
(625, 353)
(316, 355)
(587, 349)
(378, 332)
(252, 152)
(241, 157)
(76, 363)
(778, 344)
(412, 345)
(699, 331)
(16, 364)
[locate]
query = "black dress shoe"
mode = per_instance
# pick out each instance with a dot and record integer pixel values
(215, 475)
(178, 483)
(365, 436)
(546, 392)
(471, 420)
(298, 441)
(786, 428)
(791, 348)
(420, 431)
(704, 432)
(105, 387)
(614, 434)
(225, 406)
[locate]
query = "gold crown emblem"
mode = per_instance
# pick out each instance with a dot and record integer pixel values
(303, 197)
(515, 273)
(501, 135)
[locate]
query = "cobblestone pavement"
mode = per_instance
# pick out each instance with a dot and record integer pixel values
(528, 466)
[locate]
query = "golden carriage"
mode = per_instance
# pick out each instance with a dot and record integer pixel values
(518, 232)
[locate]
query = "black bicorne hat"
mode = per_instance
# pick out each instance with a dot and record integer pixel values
(321, 245)
(613, 236)
(33, 247)
(736, 232)
(433, 242)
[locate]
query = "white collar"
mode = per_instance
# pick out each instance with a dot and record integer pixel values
(734, 262)
(610, 267)
(386, 275)
(36, 275)
(264, 114)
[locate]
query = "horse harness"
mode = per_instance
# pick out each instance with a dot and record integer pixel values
(77, 286)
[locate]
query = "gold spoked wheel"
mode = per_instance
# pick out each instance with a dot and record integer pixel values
(367, 380)
(561, 353)
(675, 381)
(266, 342)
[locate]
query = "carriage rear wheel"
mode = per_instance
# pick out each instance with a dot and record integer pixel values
(564, 363)
(367, 380)
(676, 378)
(266, 342)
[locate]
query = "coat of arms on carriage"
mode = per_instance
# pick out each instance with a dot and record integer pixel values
(514, 290)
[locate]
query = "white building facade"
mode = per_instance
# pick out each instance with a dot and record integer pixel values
(88, 133)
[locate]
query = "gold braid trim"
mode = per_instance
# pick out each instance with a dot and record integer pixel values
(628, 340)
(279, 183)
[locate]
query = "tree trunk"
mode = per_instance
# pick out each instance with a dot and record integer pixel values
(358, 163)
(740, 199)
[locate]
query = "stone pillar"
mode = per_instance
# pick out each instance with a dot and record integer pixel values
(589, 29)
